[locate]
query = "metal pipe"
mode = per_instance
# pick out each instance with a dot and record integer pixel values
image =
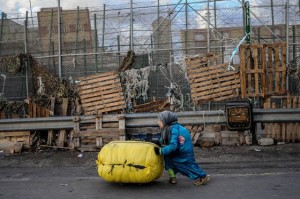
(294, 42)
(77, 30)
(59, 41)
(96, 42)
(119, 49)
(103, 33)
(215, 19)
(158, 22)
(272, 16)
(186, 27)
(287, 40)
(131, 27)
(25, 32)
(208, 31)
(50, 37)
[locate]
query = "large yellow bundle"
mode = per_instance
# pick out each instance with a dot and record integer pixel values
(129, 162)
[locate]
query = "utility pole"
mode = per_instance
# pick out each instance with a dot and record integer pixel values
(59, 40)
(247, 21)
(131, 27)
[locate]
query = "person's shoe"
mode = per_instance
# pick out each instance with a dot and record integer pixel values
(202, 181)
(172, 180)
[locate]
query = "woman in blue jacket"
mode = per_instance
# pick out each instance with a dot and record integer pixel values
(177, 150)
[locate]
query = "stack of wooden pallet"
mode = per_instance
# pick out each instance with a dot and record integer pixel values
(101, 93)
(107, 128)
(211, 82)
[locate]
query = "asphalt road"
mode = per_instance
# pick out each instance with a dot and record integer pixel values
(236, 173)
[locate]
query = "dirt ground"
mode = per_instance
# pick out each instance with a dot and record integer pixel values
(217, 154)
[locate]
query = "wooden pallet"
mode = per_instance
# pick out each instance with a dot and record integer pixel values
(211, 83)
(101, 93)
(283, 132)
(276, 70)
(35, 110)
(263, 69)
(155, 106)
(252, 71)
(195, 131)
(94, 139)
(17, 136)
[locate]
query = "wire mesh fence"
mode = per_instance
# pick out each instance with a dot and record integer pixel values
(96, 38)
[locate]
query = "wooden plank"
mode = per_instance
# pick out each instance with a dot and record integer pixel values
(267, 105)
(52, 105)
(195, 138)
(104, 93)
(14, 133)
(207, 68)
(100, 132)
(263, 68)
(294, 125)
(102, 97)
(104, 103)
(34, 110)
(270, 66)
(98, 80)
(110, 87)
(61, 138)
(50, 137)
(223, 91)
(99, 84)
(104, 110)
(211, 72)
(30, 108)
(110, 125)
(203, 81)
(277, 80)
(156, 103)
(225, 97)
(98, 75)
(99, 141)
(283, 67)
(218, 87)
(283, 125)
(274, 125)
(64, 106)
(289, 125)
(256, 80)
(249, 76)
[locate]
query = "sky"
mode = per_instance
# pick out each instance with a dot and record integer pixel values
(13, 6)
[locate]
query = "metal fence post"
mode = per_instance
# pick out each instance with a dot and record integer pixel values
(25, 33)
(96, 42)
(103, 35)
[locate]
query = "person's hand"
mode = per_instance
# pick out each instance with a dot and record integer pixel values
(157, 150)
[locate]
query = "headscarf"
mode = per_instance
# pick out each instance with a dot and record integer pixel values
(168, 119)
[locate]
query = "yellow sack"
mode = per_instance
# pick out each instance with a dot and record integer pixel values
(129, 162)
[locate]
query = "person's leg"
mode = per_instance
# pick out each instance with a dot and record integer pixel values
(172, 175)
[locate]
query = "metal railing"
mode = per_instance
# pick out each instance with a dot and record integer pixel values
(140, 120)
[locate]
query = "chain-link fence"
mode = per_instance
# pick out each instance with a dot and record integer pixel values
(96, 39)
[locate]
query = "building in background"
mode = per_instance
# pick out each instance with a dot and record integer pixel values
(76, 34)
(162, 40)
(195, 40)
(12, 36)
